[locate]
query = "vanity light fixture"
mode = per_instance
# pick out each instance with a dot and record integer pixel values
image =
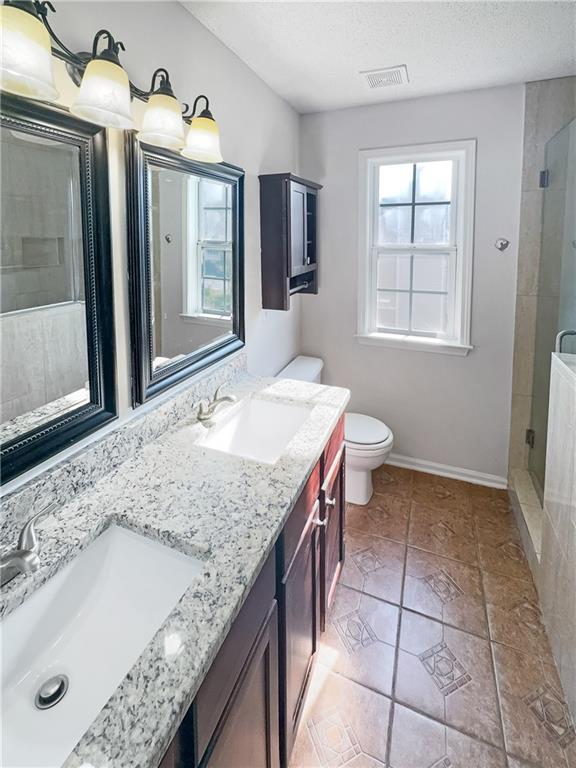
(26, 56)
(203, 140)
(104, 96)
(105, 89)
(162, 124)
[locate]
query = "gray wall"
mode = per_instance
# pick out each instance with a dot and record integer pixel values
(447, 410)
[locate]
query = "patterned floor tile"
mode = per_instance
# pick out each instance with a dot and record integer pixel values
(360, 639)
(418, 742)
(445, 590)
(442, 493)
(505, 557)
(373, 565)
(448, 674)
(443, 532)
(514, 614)
(393, 481)
(342, 724)
(484, 506)
(494, 530)
(483, 492)
(537, 724)
(514, 763)
(384, 515)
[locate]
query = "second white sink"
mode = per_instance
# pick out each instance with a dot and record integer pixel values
(254, 429)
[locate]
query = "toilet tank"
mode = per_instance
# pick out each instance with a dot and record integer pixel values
(303, 368)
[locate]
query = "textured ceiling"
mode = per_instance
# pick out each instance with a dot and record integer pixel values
(311, 53)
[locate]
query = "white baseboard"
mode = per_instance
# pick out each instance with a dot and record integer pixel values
(445, 470)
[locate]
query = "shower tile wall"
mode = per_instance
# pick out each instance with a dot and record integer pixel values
(44, 356)
(549, 106)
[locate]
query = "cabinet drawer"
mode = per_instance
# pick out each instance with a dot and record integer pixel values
(296, 523)
(220, 680)
(333, 447)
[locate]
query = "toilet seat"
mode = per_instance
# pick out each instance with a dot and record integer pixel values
(362, 450)
(365, 433)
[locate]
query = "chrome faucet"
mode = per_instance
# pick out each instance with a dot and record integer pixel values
(206, 412)
(24, 559)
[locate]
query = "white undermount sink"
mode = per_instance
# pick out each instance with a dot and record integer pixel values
(255, 429)
(90, 622)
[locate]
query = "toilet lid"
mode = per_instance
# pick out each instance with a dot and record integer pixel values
(364, 430)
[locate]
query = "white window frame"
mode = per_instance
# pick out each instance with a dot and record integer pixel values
(192, 263)
(463, 155)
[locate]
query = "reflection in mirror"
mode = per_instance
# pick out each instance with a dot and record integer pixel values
(42, 305)
(191, 240)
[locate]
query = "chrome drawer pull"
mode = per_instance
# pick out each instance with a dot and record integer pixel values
(330, 502)
(317, 521)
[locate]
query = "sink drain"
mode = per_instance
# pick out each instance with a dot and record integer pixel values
(51, 692)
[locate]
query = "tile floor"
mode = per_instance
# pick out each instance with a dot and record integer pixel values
(435, 655)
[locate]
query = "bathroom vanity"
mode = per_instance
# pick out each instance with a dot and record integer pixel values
(247, 710)
(219, 677)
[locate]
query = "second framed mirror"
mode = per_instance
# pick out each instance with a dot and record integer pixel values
(185, 238)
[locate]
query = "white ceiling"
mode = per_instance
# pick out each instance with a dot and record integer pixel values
(311, 52)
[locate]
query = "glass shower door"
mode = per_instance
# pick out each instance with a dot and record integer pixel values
(556, 308)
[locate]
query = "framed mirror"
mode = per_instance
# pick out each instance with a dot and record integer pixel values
(185, 235)
(56, 323)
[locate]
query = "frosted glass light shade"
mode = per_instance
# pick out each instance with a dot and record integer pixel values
(203, 141)
(162, 124)
(104, 96)
(25, 55)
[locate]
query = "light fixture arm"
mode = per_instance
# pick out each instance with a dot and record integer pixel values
(111, 51)
(187, 115)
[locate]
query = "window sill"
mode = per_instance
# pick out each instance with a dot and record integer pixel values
(414, 343)
(215, 320)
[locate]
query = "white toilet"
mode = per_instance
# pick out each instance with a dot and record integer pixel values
(368, 440)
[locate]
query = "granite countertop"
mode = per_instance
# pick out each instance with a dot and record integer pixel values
(223, 509)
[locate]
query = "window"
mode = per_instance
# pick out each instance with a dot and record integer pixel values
(416, 212)
(208, 292)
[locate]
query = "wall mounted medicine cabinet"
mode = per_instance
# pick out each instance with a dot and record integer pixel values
(56, 322)
(185, 249)
(288, 235)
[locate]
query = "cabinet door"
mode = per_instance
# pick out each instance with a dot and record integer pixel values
(332, 498)
(299, 601)
(248, 732)
(298, 237)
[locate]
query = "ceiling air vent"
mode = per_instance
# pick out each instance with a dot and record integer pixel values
(381, 78)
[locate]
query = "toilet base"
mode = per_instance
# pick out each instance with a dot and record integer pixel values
(358, 486)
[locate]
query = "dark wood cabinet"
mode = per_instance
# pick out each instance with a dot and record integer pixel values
(247, 735)
(299, 601)
(288, 235)
(333, 506)
(234, 719)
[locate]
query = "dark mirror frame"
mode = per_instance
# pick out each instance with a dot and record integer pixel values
(33, 447)
(147, 383)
